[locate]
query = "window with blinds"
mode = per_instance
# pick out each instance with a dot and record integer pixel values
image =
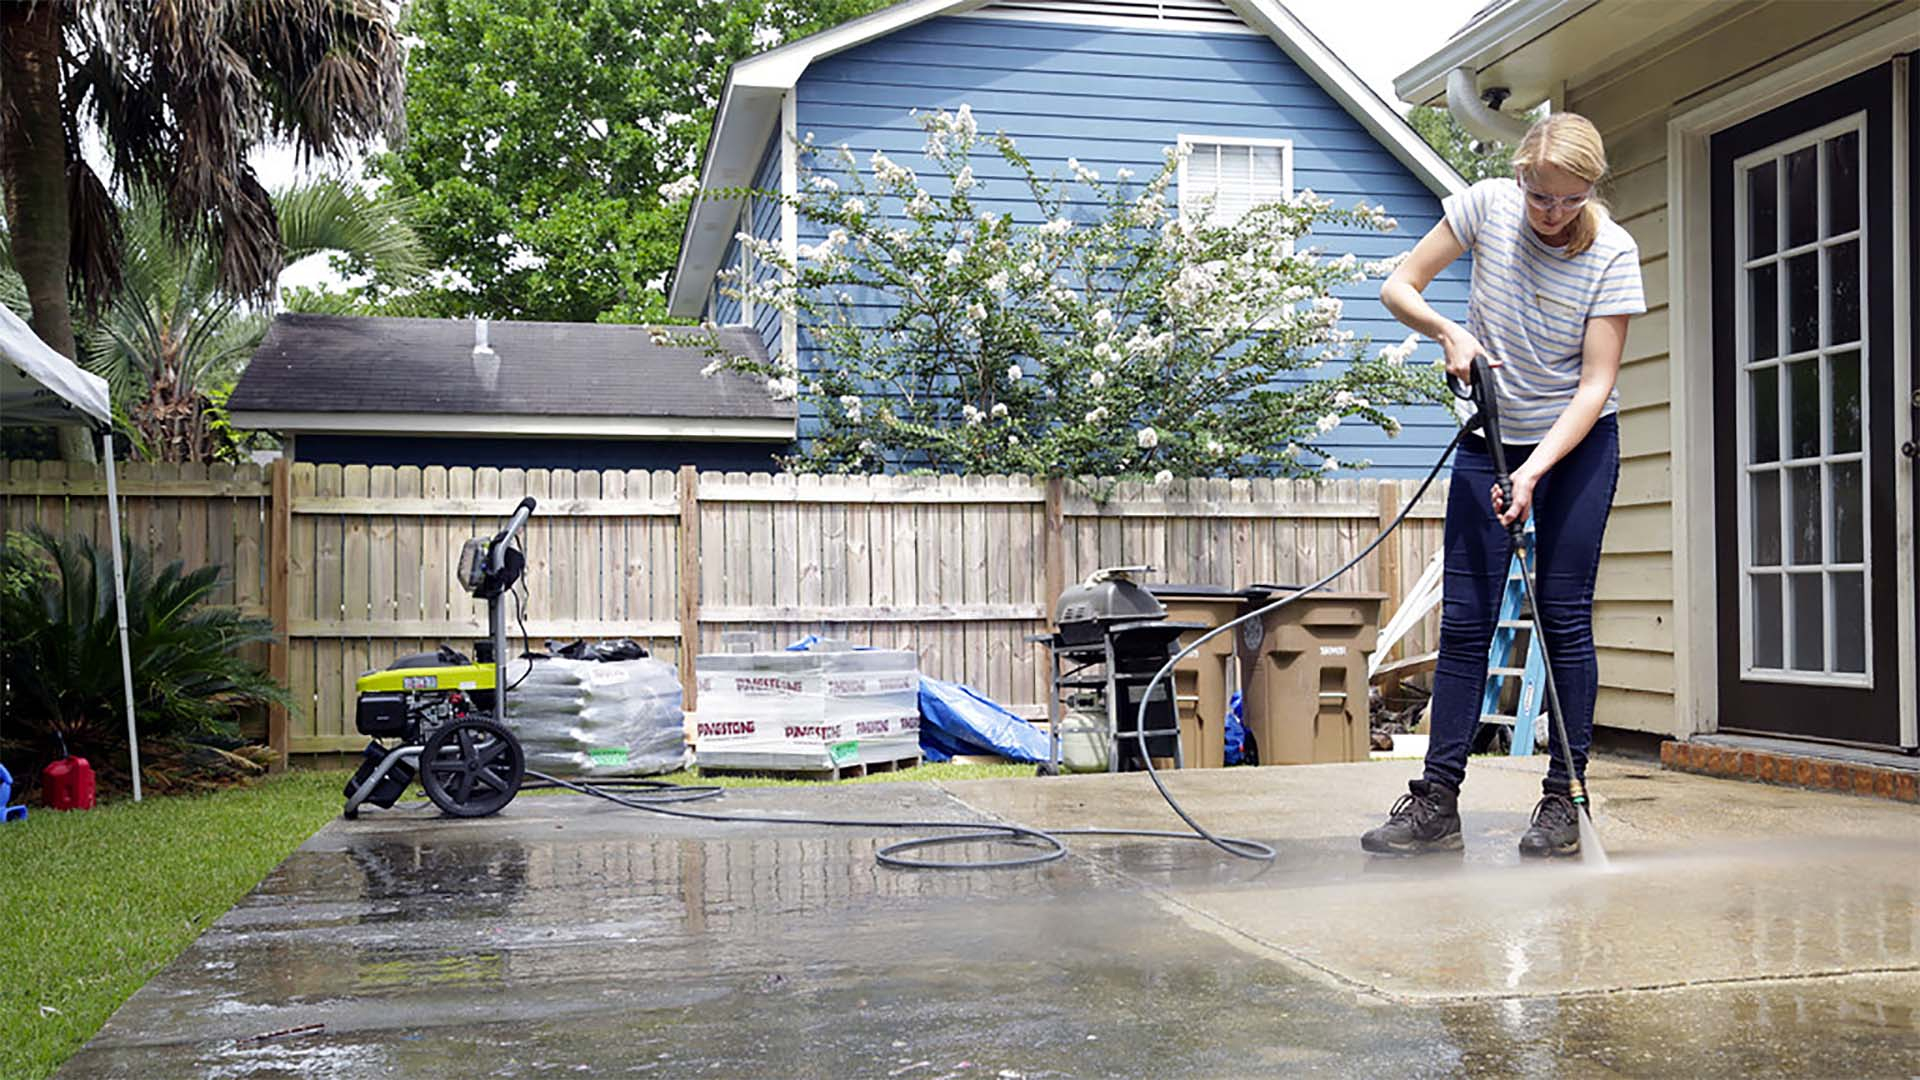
(1226, 177)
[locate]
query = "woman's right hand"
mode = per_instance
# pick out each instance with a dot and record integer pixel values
(1460, 348)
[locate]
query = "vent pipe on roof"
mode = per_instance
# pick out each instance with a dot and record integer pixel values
(1481, 120)
(486, 362)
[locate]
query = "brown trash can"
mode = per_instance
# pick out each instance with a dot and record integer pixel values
(1305, 666)
(1201, 681)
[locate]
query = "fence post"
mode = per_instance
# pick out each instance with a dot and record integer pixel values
(1053, 536)
(279, 534)
(1390, 552)
(689, 591)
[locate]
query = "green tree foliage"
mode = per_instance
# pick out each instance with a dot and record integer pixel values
(1469, 157)
(539, 134)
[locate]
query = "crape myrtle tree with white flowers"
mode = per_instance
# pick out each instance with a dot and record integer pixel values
(1116, 339)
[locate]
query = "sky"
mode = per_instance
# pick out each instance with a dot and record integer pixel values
(1377, 38)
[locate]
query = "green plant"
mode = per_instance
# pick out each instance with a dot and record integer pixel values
(59, 640)
(1114, 335)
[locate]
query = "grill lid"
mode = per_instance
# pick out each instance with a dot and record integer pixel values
(1108, 595)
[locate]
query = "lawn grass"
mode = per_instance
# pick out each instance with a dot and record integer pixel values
(92, 904)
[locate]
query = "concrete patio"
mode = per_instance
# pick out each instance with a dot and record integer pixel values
(1743, 930)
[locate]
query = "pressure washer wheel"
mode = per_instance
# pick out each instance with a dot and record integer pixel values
(472, 767)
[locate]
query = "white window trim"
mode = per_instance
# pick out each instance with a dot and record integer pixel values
(1117, 22)
(1186, 141)
(1777, 152)
(1690, 363)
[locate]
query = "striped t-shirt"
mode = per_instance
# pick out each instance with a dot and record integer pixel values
(1529, 302)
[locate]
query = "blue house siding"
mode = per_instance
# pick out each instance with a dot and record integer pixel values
(760, 218)
(1116, 98)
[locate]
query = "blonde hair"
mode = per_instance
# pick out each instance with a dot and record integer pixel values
(1569, 141)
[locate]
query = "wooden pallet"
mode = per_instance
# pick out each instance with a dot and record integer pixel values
(839, 772)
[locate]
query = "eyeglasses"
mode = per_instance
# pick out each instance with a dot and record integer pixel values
(1541, 200)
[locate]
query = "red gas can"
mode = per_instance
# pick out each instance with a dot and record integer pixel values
(68, 784)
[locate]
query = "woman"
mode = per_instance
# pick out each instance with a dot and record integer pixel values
(1554, 282)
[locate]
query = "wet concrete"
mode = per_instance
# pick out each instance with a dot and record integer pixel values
(1747, 930)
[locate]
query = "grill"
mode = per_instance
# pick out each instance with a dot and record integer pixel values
(1110, 636)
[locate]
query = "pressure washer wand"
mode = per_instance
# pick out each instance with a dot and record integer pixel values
(1481, 393)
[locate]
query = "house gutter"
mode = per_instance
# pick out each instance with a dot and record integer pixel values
(1481, 120)
(1484, 43)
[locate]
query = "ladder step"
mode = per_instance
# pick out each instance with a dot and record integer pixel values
(1509, 672)
(1515, 624)
(1495, 718)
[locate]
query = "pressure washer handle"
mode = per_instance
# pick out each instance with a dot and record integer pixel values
(1487, 409)
(514, 524)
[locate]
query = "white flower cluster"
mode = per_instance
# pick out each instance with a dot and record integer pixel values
(1399, 354)
(973, 416)
(1147, 438)
(823, 183)
(888, 173)
(1056, 227)
(851, 403)
(1081, 172)
(963, 180)
(676, 190)
(949, 134)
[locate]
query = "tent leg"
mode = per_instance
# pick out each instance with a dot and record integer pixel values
(120, 605)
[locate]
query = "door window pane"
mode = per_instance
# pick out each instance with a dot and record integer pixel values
(1765, 502)
(1803, 197)
(1849, 623)
(1803, 408)
(1849, 533)
(1766, 415)
(1809, 623)
(1803, 302)
(1763, 306)
(1844, 398)
(1803, 514)
(1843, 287)
(1763, 210)
(1843, 183)
(1767, 648)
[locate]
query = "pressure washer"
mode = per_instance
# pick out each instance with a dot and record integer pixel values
(472, 765)
(449, 712)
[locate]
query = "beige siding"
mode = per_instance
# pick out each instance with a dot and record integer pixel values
(1633, 608)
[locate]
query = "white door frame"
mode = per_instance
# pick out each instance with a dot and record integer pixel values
(1690, 361)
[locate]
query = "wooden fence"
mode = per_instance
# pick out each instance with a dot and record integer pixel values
(356, 563)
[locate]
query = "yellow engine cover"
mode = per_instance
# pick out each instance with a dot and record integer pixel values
(401, 680)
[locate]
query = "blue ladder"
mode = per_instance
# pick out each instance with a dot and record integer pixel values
(1503, 663)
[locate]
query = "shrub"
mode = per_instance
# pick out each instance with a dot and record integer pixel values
(59, 641)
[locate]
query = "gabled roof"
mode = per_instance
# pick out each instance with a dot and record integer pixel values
(750, 105)
(312, 371)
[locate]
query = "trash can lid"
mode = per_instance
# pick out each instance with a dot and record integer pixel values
(1196, 592)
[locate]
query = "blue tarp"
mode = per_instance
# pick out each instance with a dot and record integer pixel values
(1236, 732)
(956, 719)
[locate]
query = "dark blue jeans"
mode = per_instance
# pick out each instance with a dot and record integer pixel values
(1570, 505)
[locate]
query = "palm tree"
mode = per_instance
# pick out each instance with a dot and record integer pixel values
(179, 92)
(172, 334)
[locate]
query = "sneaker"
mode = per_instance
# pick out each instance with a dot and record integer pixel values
(1426, 819)
(1555, 829)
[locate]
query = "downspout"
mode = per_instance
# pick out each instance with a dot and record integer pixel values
(1483, 121)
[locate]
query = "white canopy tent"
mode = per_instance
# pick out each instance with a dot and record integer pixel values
(39, 386)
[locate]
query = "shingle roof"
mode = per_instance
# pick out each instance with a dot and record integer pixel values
(345, 363)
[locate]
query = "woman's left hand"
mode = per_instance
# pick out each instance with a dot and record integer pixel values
(1523, 481)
